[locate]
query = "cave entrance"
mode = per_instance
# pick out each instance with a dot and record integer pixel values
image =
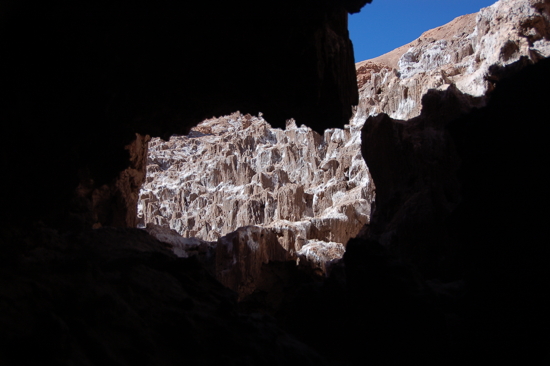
(305, 192)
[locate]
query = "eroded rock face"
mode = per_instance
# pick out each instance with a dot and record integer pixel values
(294, 186)
(468, 53)
(237, 171)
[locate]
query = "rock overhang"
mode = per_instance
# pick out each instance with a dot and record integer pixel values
(84, 78)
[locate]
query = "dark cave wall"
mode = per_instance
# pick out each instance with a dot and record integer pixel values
(79, 79)
(432, 167)
(462, 202)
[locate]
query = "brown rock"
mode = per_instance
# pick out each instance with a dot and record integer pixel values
(240, 255)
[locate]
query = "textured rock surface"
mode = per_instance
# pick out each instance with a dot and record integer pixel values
(78, 81)
(421, 189)
(461, 196)
(320, 255)
(237, 171)
(468, 53)
(114, 297)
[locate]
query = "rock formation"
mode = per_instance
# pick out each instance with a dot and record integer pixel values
(235, 171)
(118, 296)
(461, 201)
(468, 53)
(299, 189)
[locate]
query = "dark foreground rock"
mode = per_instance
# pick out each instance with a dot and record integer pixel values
(461, 197)
(118, 297)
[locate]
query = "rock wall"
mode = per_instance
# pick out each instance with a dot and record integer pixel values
(233, 172)
(468, 53)
(118, 296)
(461, 199)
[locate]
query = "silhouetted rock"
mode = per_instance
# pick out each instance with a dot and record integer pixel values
(118, 296)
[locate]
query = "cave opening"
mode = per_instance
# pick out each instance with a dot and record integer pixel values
(294, 193)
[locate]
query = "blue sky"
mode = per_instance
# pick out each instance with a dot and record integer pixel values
(385, 25)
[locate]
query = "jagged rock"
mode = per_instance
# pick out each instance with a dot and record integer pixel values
(414, 162)
(467, 53)
(319, 255)
(236, 171)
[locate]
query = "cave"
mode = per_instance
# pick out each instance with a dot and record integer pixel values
(450, 268)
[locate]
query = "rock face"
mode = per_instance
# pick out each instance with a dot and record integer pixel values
(78, 81)
(115, 296)
(285, 188)
(460, 196)
(468, 53)
(460, 206)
